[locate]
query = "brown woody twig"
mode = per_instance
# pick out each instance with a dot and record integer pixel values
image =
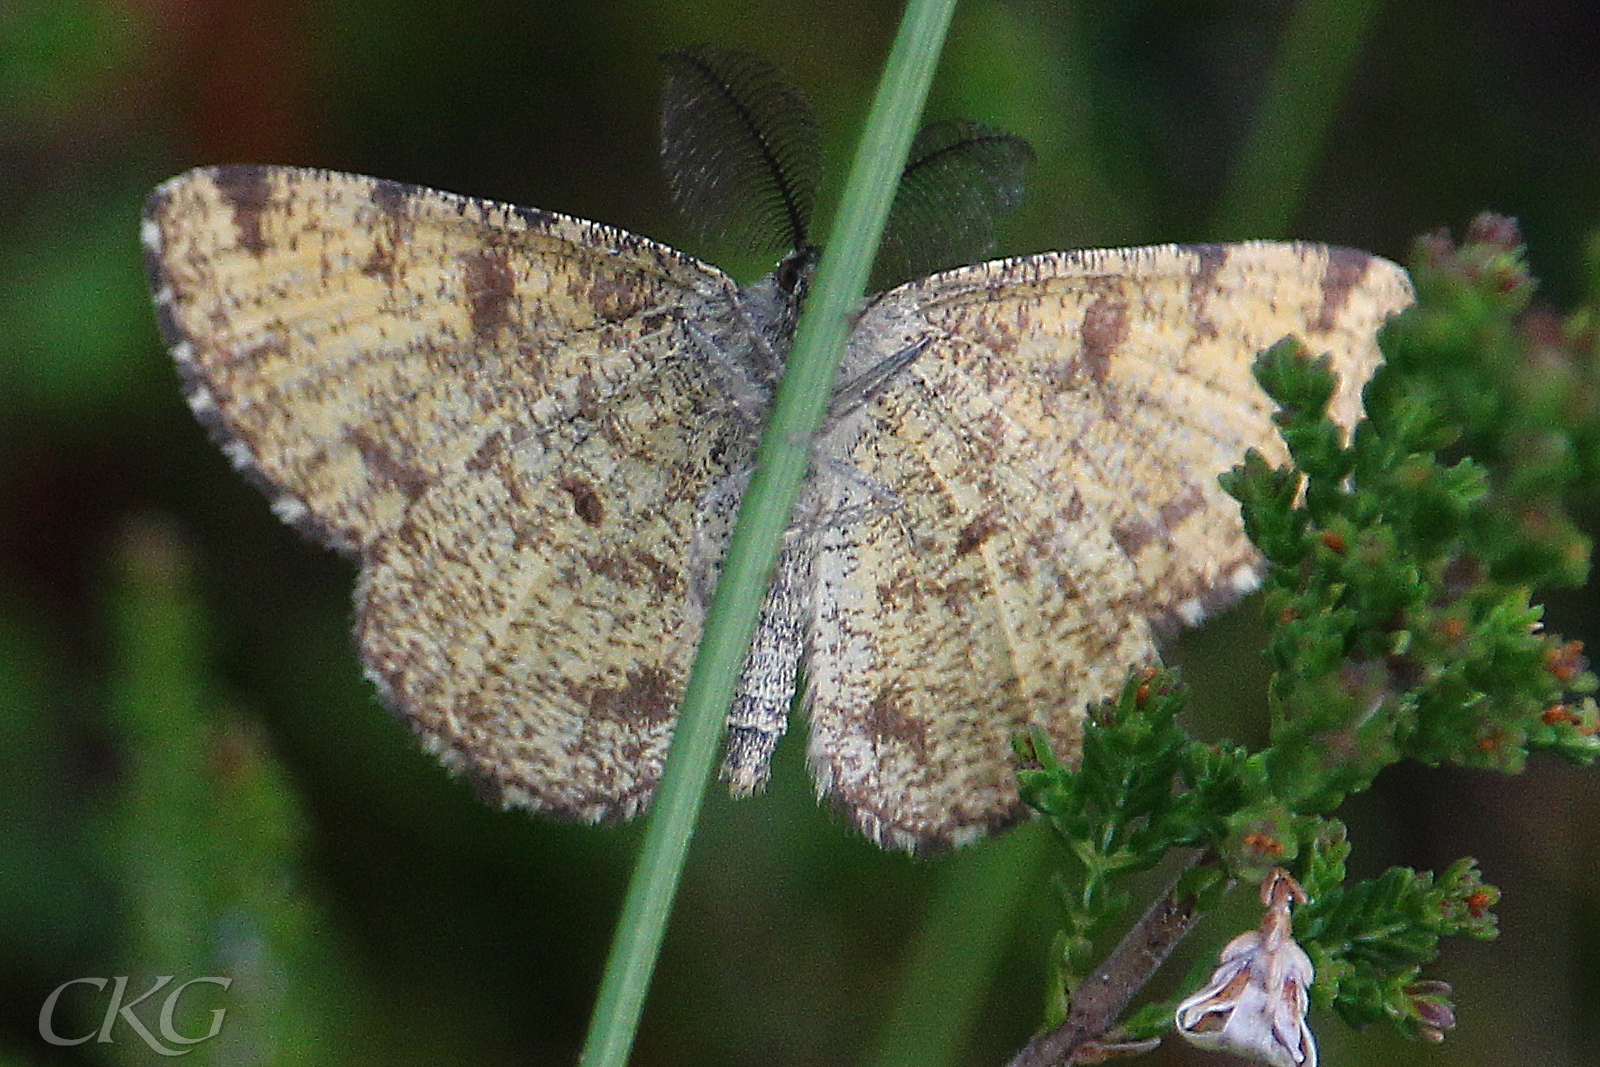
(1102, 997)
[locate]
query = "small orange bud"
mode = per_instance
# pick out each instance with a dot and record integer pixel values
(1565, 661)
(1560, 714)
(1263, 844)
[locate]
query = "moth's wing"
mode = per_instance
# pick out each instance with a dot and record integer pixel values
(1037, 493)
(486, 405)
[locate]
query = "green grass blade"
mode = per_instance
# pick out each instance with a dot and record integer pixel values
(1321, 44)
(952, 964)
(781, 465)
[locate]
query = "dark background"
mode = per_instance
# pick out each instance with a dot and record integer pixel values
(194, 779)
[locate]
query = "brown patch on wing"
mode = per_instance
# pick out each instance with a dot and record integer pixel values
(1182, 506)
(585, 501)
(887, 721)
(614, 297)
(1203, 284)
(649, 695)
(380, 264)
(491, 287)
(387, 259)
(384, 467)
(1346, 268)
(247, 191)
(636, 569)
(488, 453)
(1133, 535)
(390, 197)
(976, 532)
(1105, 327)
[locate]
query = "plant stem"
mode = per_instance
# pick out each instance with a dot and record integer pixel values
(1105, 994)
(1321, 44)
(953, 961)
(781, 466)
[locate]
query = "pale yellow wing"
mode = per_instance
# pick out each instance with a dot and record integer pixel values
(484, 404)
(1037, 493)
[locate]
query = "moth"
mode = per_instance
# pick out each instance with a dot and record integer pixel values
(532, 432)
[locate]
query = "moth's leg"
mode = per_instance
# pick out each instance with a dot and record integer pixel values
(849, 396)
(745, 367)
(760, 712)
(715, 513)
(847, 488)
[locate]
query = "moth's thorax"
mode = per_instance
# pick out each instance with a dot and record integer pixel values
(773, 302)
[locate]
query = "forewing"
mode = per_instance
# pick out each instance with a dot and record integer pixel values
(486, 405)
(1045, 474)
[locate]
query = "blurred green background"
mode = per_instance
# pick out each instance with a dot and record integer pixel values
(194, 779)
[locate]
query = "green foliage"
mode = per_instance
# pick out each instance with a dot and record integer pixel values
(1370, 940)
(204, 832)
(1118, 812)
(1402, 562)
(1401, 580)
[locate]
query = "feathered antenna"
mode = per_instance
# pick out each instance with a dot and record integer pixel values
(962, 177)
(741, 149)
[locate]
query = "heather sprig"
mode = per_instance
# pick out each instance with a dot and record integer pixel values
(1403, 560)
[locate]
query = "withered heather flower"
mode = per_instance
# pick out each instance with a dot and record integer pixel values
(1255, 1004)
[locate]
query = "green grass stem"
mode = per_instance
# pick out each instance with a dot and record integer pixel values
(781, 466)
(1268, 182)
(951, 965)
